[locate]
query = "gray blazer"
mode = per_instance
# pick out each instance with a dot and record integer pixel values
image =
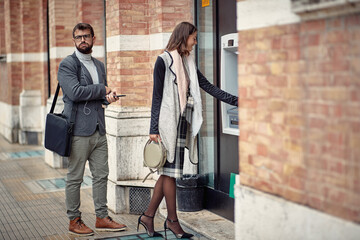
(88, 96)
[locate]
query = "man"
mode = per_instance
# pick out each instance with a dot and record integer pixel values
(85, 88)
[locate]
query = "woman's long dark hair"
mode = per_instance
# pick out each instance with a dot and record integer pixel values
(179, 38)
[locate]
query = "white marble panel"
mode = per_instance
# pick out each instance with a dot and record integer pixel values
(150, 42)
(62, 52)
(27, 57)
(253, 14)
(9, 121)
(263, 216)
(127, 133)
(31, 111)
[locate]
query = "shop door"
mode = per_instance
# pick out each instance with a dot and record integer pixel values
(227, 162)
(218, 150)
(228, 141)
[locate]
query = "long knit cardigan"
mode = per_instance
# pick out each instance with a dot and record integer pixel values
(170, 114)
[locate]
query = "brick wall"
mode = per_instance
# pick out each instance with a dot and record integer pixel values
(300, 113)
(127, 71)
(64, 15)
(130, 71)
(3, 68)
(90, 11)
(32, 29)
(44, 48)
(23, 30)
(62, 19)
(13, 19)
(2, 27)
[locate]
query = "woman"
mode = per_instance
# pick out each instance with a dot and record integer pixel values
(176, 119)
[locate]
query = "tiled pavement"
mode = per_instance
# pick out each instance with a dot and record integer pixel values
(27, 213)
(32, 203)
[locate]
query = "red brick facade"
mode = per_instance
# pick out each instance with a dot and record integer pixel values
(23, 29)
(63, 16)
(128, 71)
(299, 105)
(131, 71)
(300, 113)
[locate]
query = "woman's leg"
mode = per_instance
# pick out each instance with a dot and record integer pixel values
(154, 204)
(169, 187)
(165, 186)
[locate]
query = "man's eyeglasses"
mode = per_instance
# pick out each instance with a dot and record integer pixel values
(79, 37)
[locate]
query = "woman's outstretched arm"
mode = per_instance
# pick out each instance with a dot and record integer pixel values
(215, 91)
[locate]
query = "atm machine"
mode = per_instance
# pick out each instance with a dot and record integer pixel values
(229, 82)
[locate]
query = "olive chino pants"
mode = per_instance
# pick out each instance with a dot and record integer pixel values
(94, 149)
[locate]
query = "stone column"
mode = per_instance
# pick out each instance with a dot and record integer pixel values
(127, 129)
(30, 117)
(33, 77)
(11, 83)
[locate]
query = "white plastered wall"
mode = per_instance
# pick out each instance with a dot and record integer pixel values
(9, 122)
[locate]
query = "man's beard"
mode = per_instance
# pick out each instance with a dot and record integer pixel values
(86, 50)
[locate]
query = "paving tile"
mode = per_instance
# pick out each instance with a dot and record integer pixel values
(38, 228)
(10, 169)
(4, 235)
(25, 214)
(4, 156)
(12, 236)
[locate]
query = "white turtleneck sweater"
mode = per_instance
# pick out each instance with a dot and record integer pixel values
(89, 64)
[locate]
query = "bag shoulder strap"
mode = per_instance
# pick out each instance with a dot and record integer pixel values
(55, 99)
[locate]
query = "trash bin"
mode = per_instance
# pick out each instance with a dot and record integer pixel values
(189, 193)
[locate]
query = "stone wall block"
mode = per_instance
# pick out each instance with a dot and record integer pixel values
(127, 133)
(30, 114)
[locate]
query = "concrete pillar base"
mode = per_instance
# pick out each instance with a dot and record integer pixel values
(9, 122)
(263, 216)
(30, 137)
(55, 160)
(129, 196)
(30, 117)
(116, 196)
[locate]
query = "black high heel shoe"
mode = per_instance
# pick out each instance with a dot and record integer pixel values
(184, 235)
(153, 234)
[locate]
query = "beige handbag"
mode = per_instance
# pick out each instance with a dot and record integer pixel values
(154, 156)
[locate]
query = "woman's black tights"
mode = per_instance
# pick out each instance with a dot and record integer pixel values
(165, 186)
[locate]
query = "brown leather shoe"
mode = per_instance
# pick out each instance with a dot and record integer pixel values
(78, 227)
(107, 224)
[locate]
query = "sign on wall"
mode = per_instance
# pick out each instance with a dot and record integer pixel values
(205, 3)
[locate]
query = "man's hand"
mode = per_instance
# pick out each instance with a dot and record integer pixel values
(108, 90)
(111, 97)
